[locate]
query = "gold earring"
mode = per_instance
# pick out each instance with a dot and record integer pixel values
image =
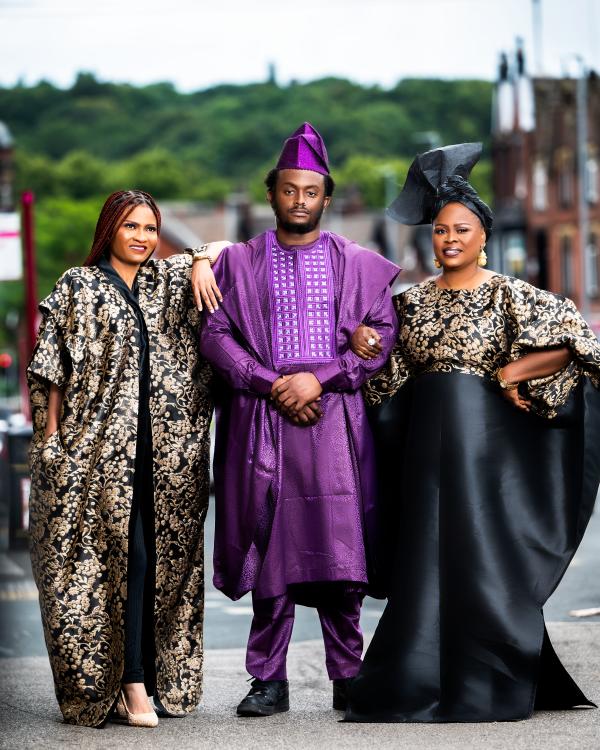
(482, 257)
(436, 262)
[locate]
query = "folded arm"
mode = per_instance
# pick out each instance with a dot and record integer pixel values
(238, 366)
(531, 366)
(348, 372)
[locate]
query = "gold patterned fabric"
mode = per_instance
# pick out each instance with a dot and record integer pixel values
(475, 331)
(82, 482)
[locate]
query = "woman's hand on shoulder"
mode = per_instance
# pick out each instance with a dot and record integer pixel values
(204, 286)
(366, 342)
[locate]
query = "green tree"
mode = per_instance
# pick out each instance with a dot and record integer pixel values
(64, 231)
(157, 172)
(35, 172)
(81, 175)
(376, 179)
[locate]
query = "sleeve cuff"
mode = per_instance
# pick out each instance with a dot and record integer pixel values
(329, 375)
(262, 379)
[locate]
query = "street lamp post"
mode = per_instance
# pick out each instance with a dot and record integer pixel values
(582, 158)
(27, 201)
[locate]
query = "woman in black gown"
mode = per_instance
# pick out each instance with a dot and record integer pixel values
(489, 443)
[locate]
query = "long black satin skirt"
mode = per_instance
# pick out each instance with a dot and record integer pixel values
(483, 508)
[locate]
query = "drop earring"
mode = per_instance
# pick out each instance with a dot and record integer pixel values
(436, 262)
(482, 257)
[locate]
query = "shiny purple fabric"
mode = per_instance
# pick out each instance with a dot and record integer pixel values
(304, 149)
(293, 504)
(302, 301)
(271, 632)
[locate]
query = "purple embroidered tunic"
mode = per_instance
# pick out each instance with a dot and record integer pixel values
(294, 504)
(302, 302)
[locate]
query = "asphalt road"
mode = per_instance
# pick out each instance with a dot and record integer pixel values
(30, 720)
(29, 716)
(227, 623)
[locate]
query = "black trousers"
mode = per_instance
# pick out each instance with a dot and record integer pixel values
(139, 610)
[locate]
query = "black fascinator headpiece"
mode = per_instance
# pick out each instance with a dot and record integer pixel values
(436, 178)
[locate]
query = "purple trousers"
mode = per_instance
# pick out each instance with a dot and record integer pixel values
(271, 631)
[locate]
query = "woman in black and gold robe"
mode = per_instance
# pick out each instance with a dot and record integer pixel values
(119, 466)
(488, 430)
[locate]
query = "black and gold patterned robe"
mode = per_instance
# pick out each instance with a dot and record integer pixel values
(484, 504)
(83, 478)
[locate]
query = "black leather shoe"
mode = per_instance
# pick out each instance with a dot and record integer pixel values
(266, 697)
(340, 693)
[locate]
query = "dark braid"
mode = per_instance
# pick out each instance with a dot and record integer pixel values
(117, 207)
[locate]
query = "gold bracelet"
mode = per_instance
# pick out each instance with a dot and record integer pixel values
(504, 384)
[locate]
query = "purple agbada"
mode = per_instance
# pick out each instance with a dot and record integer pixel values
(294, 504)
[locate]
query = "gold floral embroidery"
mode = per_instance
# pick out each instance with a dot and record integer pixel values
(478, 330)
(82, 482)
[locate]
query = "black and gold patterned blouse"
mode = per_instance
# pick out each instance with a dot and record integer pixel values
(475, 331)
(82, 481)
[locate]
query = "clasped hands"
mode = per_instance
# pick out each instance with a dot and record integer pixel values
(297, 397)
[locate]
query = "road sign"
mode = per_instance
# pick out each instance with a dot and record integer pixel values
(11, 263)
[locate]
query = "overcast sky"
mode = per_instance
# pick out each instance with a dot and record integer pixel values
(196, 44)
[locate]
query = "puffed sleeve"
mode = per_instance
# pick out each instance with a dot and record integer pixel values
(51, 360)
(547, 321)
(395, 372)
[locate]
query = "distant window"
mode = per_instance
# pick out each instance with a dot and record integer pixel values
(591, 180)
(566, 264)
(565, 186)
(593, 266)
(515, 254)
(540, 186)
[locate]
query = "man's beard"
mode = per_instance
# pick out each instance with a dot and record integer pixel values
(313, 220)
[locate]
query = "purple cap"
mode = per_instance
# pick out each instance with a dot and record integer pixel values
(304, 149)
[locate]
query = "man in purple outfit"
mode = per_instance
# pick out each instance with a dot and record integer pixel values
(294, 464)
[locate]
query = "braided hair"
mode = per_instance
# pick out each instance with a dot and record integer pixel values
(117, 206)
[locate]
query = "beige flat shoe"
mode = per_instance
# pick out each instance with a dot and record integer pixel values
(149, 719)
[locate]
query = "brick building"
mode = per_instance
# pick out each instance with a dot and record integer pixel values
(7, 171)
(536, 182)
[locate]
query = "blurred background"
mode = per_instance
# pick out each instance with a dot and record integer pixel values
(191, 101)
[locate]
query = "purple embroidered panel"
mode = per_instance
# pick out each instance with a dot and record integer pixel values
(302, 302)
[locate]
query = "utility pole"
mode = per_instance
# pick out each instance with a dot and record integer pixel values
(27, 202)
(582, 191)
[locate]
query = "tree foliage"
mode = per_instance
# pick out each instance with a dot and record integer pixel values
(74, 146)
(97, 136)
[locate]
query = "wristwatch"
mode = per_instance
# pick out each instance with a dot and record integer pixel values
(504, 384)
(199, 253)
